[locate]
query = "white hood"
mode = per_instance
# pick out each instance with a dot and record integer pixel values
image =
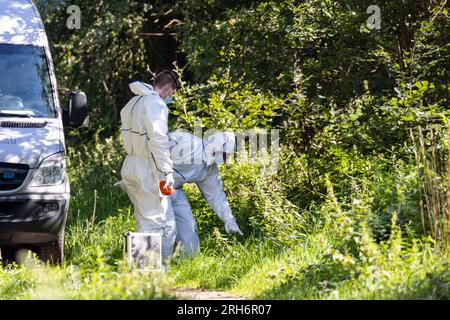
(141, 89)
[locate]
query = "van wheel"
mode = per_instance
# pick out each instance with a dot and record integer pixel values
(8, 254)
(53, 252)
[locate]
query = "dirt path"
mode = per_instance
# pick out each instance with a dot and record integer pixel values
(199, 294)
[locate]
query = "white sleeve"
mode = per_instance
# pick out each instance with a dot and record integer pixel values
(155, 121)
(212, 189)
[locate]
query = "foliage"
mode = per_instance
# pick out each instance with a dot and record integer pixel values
(320, 57)
(36, 281)
(339, 260)
(258, 203)
(221, 103)
(113, 47)
(358, 207)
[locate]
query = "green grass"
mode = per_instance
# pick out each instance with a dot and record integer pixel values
(326, 251)
(34, 280)
(311, 271)
(94, 268)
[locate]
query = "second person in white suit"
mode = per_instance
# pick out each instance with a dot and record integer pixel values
(195, 161)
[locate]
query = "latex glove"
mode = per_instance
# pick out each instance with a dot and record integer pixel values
(232, 227)
(169, 180)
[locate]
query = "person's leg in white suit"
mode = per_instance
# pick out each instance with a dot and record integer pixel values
(186, 225)
(153, 213)
(170, 231)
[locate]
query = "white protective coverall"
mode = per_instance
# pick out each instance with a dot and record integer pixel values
(193, 160)
(145, 138)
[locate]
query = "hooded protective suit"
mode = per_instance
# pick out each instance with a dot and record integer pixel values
(193, 160)
(145, 138)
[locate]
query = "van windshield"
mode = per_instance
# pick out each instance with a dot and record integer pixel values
(25, 87)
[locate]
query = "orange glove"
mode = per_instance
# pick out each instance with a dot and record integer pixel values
(167, 191)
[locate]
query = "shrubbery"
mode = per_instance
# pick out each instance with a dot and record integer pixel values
(358, 206)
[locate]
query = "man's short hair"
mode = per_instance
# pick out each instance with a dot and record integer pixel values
(166, 77)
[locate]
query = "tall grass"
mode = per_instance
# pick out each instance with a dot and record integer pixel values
(356, 240)
(34, 280)
(326, 264)
(433, 164)
(98, 217)
(336, 251)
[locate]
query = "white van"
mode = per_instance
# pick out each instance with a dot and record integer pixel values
(34, 188)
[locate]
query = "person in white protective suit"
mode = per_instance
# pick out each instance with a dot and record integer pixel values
(195, 161)
(145, 139)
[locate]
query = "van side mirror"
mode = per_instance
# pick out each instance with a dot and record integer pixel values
(76, 115)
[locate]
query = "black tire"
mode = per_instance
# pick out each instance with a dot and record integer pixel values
(53, 252)
(8, 254)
